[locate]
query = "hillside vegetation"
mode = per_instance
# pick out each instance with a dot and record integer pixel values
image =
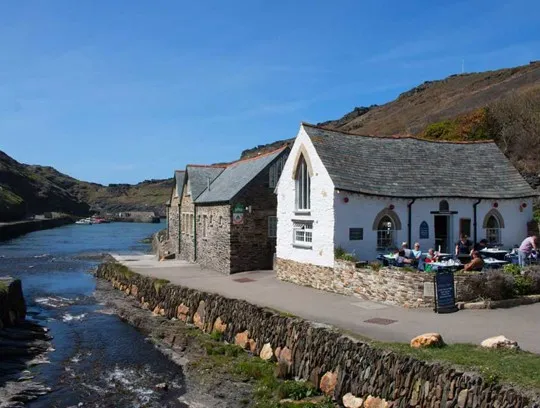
(28, 189)
(503, 105)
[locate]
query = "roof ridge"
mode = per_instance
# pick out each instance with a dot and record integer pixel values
(421, 139)
(259, 156)
(214, 166)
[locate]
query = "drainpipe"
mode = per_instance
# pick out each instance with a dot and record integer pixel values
(194, 232)
(409, 234)
(474, 218)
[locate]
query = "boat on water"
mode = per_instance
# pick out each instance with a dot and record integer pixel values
(84, 221)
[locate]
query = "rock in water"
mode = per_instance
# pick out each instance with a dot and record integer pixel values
(500, 342)
(162, 386)
(427, 340)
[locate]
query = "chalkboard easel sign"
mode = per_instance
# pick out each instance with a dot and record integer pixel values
(445, 297)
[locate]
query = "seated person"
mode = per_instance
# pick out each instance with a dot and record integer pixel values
(407, 252)
(476, 263)
(399, 256)
(416, 253)
(479, 246)
(431, 256)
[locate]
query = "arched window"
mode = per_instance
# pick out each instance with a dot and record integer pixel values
(443, 206)
(493, 222)
(303, 185)
(386, 233)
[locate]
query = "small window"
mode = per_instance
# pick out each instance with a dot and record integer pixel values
(303, 233)
(275, 171)
(465, 226)
(356, 234)
(191, 224)
(272, 226)
(220, 220)
(211, 218)
(443, 206)
(199, 219)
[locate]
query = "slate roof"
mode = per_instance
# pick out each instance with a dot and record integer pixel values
(198, 177)
(236, 176)
(412, 168)
(179, 176)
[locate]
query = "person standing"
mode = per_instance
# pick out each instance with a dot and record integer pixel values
(463, 249)
(525, 249)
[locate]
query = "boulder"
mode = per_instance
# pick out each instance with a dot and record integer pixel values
(374, 402)
(162, 386)
(219, 326)
(500, 342)
(199, 317)
(252, 345)
(285, 356)
(328, 382)
(182, 312)
(241, 339)
(427, 340)
(350, 401)
(266, 352)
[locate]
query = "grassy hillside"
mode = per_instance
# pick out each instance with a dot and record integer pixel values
(503, 105)
(27, 189)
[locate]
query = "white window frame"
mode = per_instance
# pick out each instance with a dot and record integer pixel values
(272, 226)
(303, 234)
(386, 238)
(302, 186)
(494, 232)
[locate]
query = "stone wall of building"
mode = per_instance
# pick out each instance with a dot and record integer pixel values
(173, 224)
(310, 351)
(214, 250)
(187, 235)
(396, 286)
(251, 248)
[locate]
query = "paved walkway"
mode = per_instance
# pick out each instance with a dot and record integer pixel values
(346, 312)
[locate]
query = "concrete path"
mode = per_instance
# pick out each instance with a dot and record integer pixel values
(392, 323)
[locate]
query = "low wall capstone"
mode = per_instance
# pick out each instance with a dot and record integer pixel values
(310, 351)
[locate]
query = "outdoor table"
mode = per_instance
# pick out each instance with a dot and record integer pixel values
(449, 266)
(494, 263)
(494, 253)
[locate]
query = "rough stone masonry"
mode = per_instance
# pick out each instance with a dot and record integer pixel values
(311, 351)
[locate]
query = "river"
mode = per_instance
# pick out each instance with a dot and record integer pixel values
(98, 360)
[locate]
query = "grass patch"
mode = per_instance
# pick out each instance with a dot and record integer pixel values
(159, 283)
(519, 368)
(124, 271)
(3, 287)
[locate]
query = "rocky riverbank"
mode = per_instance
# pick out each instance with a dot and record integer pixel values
(15, 229)
(23, 345)
(182, 344)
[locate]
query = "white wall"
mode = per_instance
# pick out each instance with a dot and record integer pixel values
(360, 212)
(322, 211)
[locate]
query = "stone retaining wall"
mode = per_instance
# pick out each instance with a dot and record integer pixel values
(396, 286)
(16, 229)
(310, 351)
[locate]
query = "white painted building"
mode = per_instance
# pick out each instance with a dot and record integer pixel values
(369, 194)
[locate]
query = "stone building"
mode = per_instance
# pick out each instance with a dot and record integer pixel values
(197, 178)
(224, 216)
(236, 215)
(368, 194)
(173, 211)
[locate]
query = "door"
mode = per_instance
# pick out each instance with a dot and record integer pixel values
(442, 233)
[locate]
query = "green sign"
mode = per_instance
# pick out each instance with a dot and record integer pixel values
(238, 214)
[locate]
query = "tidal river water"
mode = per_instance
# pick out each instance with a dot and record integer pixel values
(98, 360)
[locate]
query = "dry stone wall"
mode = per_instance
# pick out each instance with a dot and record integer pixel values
(310, 351)
(214, 247)
(395, 286)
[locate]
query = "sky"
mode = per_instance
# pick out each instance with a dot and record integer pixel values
(126, 90)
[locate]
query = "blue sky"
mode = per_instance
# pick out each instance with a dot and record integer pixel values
(121, 91)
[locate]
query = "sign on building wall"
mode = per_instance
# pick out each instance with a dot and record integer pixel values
(238, 214)
(424, 230)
